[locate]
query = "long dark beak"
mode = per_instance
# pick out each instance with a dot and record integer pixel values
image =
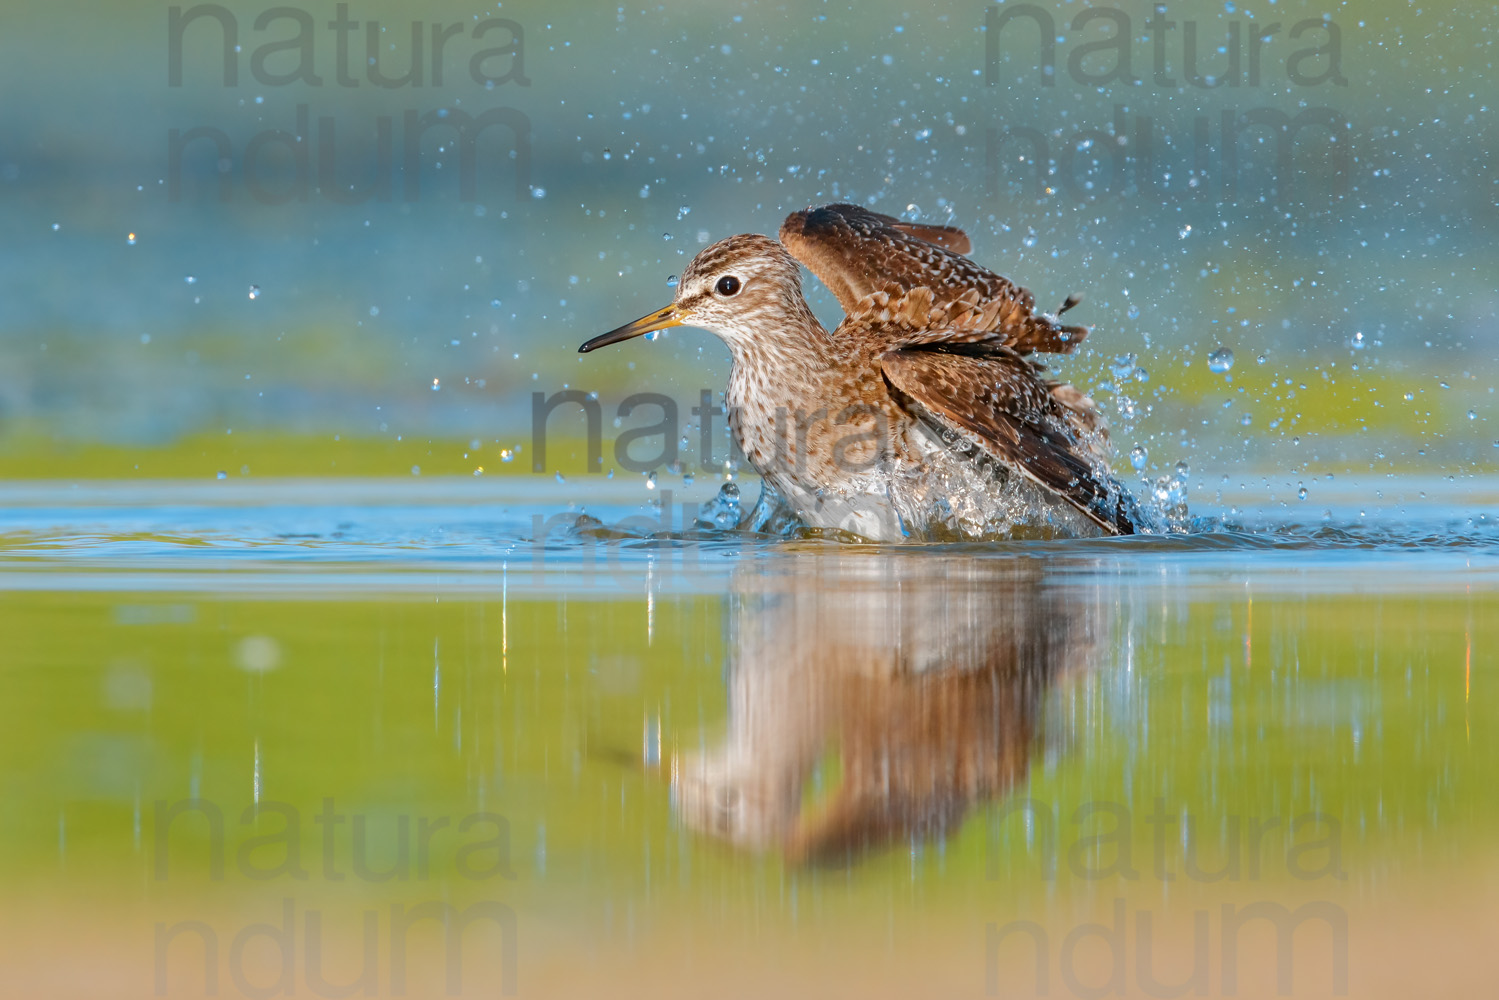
(658, 320)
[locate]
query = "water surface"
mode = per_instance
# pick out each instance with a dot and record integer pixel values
(261, 735)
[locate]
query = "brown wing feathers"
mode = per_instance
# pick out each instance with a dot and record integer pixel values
(949, 237)
(1016, 418)
(889, 272)
(957, 335)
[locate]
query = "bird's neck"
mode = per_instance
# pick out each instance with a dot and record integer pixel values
(776, 383)
(783, 338)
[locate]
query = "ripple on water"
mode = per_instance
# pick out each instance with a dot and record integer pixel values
(359, 530)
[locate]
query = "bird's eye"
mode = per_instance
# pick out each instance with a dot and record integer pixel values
(727, 285)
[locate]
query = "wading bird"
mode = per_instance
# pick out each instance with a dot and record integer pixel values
(923, 415)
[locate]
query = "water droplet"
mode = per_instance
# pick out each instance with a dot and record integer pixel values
(1184, 232)
(1123, 366)
(1410, 396)
(1357, 341)
(666, 236)
(1141, 375)
(912, 212)
(190, 280)
(538, 192)
(1300, 491)
(671, 282)
(722, 512)
(1138, 456)
(650, 480)
(1220, 361)
(560, 478)
(687, 478)
(1182, 469)
(1244, 420)
(416, 470)
(56, 226)
(223, 474)
(130, 239)
(1261, 359)
(436, 384)
(506, 455)
(1472, 414)
(479, 471)
(254, 292)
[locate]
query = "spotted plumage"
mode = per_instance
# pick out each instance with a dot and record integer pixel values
(915, 278)
(922, 415)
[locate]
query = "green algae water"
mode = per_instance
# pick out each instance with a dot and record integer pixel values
(384, 739)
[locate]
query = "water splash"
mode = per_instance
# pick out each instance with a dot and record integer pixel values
(723, 512)
(1220, 361)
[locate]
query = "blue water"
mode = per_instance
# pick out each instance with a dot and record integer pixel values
(471, 533)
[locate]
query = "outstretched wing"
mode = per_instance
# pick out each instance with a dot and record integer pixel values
(996, 398)
(888, 272)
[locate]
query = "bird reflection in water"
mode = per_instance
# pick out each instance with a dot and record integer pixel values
(914, 687)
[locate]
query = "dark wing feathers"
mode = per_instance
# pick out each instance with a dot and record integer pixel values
(1016, 418)
(956, 335)
(888, 272)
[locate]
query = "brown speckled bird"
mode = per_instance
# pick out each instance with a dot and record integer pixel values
(922, 416)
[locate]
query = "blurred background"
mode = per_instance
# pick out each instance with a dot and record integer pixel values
(254, 239)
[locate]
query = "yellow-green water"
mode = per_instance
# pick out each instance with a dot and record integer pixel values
(254, 744)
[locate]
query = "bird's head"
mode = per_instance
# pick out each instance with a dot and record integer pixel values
(738, 288)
